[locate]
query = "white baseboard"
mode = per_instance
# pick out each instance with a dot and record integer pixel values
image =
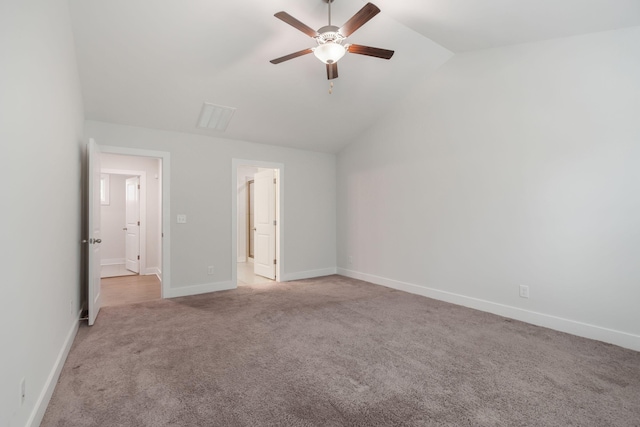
(242, 259)
(150, 271)
(200, 289)
(112, 261)
(611, 336)
(309, 274)
(45, 395)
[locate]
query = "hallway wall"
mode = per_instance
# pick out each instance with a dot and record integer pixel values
(112, 220)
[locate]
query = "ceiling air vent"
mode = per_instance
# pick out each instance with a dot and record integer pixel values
(215, 117)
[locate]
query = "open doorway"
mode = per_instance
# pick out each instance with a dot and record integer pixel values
(131, 196)
(95, 297)
(257, 227)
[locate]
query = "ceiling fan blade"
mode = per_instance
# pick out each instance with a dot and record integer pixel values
(332, 71)
(370, 51)
(291, 56)
(359, 19)
(284, 16)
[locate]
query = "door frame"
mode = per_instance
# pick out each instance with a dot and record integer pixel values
(143, 211)
(165, 235)
(235, 164)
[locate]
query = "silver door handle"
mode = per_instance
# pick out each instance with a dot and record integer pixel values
(255, 229)
(98, 241)
(125, 229)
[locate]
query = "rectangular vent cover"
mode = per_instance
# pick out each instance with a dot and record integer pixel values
(215, 117)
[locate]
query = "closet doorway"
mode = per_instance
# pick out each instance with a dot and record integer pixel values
(257, 191)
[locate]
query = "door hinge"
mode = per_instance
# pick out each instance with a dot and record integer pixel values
(274, 180)
(274, 262)
(138, 256)
(138, 222)
(138, 186)
(275, 222)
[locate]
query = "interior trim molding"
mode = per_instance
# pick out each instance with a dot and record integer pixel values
(199, 289)
(585, 330)
(309, 274)
(50, 384)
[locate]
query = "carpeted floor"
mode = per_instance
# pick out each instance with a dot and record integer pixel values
(335, 351)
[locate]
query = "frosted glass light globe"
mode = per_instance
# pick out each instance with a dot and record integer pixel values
(329, 52)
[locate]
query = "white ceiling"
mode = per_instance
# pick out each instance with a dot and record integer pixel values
(152, 63)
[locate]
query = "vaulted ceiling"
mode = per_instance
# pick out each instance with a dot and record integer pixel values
(153, 63)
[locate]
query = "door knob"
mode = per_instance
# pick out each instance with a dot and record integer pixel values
(98, 241)
(125, 229)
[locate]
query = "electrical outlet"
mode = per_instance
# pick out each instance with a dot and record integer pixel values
(71, 306)
(210, 269)
(23, 391)
(350, 260)
(524, 291)
(181, 219)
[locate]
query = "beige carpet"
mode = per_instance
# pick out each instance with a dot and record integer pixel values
(336, 352)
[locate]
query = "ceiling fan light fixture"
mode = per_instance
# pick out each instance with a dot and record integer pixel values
(329, 52)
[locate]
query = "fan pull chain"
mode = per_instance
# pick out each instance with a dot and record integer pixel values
(330, 88)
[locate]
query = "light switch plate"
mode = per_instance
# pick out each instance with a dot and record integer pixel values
(182, 219)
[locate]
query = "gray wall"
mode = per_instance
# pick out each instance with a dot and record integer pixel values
(201, 183)
(509, 166)
(41, 119)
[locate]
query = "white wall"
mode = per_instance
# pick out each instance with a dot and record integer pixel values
(510, 166)
(41, 119)
(151, 167)
(201, 187)
(112, 220)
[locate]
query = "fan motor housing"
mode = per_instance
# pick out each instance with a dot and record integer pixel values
(329, 33)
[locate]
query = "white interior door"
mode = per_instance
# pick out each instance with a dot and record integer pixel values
(264, 249)
(93, 233)
(132, 215)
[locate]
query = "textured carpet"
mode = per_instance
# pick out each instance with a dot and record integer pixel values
(335, 351)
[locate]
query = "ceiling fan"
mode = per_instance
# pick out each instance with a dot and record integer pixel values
(330, 39)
